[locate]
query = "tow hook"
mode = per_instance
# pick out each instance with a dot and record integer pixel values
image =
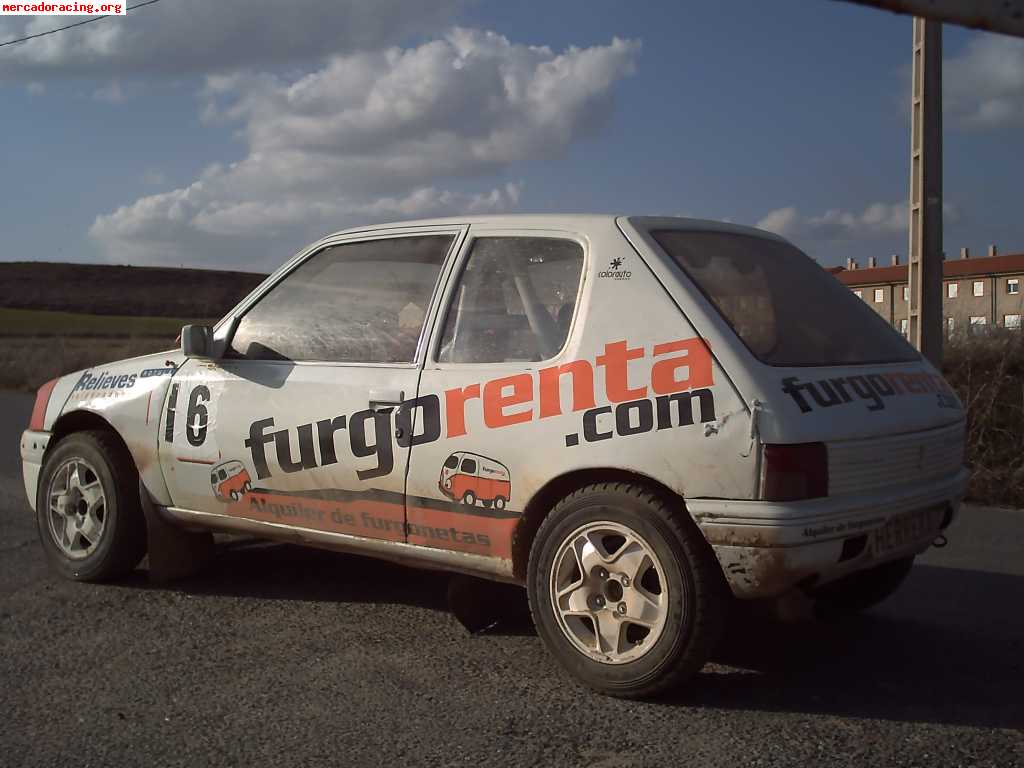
(940, 541)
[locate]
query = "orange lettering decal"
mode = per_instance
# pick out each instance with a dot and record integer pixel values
(496, 401)
(582, 387)
(455, 408)
(690, 370)
(615, 360)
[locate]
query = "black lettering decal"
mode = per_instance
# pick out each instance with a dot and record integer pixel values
(623, 419)
(405, 423)
(792, 388)
(684, 408)
(196, 418)
(590, 433)
(325, 429)
(256, 443)
(881, 385)
(840, 385)
(864, 390)
(307, 457)
(381, 448)
(172, 404)
(831, 397)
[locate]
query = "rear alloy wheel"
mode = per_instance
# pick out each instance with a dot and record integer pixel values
(609, 592)
(624, 589)
(87, 509)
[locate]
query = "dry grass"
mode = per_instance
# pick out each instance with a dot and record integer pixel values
(988, 374)
(28, 361)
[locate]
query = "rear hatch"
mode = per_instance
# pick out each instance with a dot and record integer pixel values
(821, 364)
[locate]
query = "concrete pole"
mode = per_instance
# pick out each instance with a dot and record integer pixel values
(925, 264)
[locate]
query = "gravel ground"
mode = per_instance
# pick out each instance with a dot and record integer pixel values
(280, 655)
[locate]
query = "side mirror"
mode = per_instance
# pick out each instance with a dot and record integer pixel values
(197, 341)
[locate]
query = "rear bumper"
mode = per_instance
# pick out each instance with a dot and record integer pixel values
(33, 447)
(767, 548)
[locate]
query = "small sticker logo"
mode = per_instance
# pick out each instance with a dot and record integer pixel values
(615, 270)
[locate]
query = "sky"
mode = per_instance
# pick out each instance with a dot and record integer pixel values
(232, 133)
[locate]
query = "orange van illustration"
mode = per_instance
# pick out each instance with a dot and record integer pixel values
(470, 477)
(230, 481)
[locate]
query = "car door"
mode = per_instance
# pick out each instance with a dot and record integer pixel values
(300, 424)
(507, 309)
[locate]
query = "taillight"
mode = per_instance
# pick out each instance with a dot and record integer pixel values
(39, 409)
(794, 472)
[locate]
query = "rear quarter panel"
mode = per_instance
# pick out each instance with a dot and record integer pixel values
(596, 404)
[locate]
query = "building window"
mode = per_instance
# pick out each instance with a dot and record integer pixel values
(951, 290)
(1012, 322)
(978, 323)
(879, 295)
(859, 294)
(949, 326)
(903, 326)
(1013, 285)
(906, 293)
(979, 287)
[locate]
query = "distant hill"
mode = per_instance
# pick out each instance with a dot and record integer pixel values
(106, 289)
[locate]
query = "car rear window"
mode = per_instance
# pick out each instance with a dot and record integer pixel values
(784, 307)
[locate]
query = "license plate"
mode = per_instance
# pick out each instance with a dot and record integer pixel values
(905, 529)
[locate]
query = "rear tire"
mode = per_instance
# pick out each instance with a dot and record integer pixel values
(860, 591)
(625, 591)
(88, 513)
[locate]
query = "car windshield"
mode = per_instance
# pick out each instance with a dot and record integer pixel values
(786, 309)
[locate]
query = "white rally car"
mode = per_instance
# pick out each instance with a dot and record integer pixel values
(635, 418)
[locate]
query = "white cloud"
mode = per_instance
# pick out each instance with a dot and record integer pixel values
(983, 86)
(876, 220)
(368, 137)
(203, 35)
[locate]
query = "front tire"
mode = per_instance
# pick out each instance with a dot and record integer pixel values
(625, 591)
(469, 499)
(89, 517)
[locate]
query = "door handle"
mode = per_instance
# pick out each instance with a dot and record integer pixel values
(384, 401)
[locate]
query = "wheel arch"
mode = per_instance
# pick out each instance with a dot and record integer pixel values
(541, 503)
(83, 421)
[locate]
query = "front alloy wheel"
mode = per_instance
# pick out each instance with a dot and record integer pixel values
(77, 508)
(89, 517)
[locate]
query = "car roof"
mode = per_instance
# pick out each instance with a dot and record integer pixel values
(556, 220)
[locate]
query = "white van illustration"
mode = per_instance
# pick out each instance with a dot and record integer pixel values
(230, 481)
(470, 477)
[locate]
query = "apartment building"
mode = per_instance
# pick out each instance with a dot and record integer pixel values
(977, 293)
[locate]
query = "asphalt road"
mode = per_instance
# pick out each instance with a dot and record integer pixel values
(288, 656)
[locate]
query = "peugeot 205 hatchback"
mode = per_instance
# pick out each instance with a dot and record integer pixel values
(635, 418)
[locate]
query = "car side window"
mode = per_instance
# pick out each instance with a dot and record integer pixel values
(452, 462)
(362, 302)
(469, 466)
(514, 301)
